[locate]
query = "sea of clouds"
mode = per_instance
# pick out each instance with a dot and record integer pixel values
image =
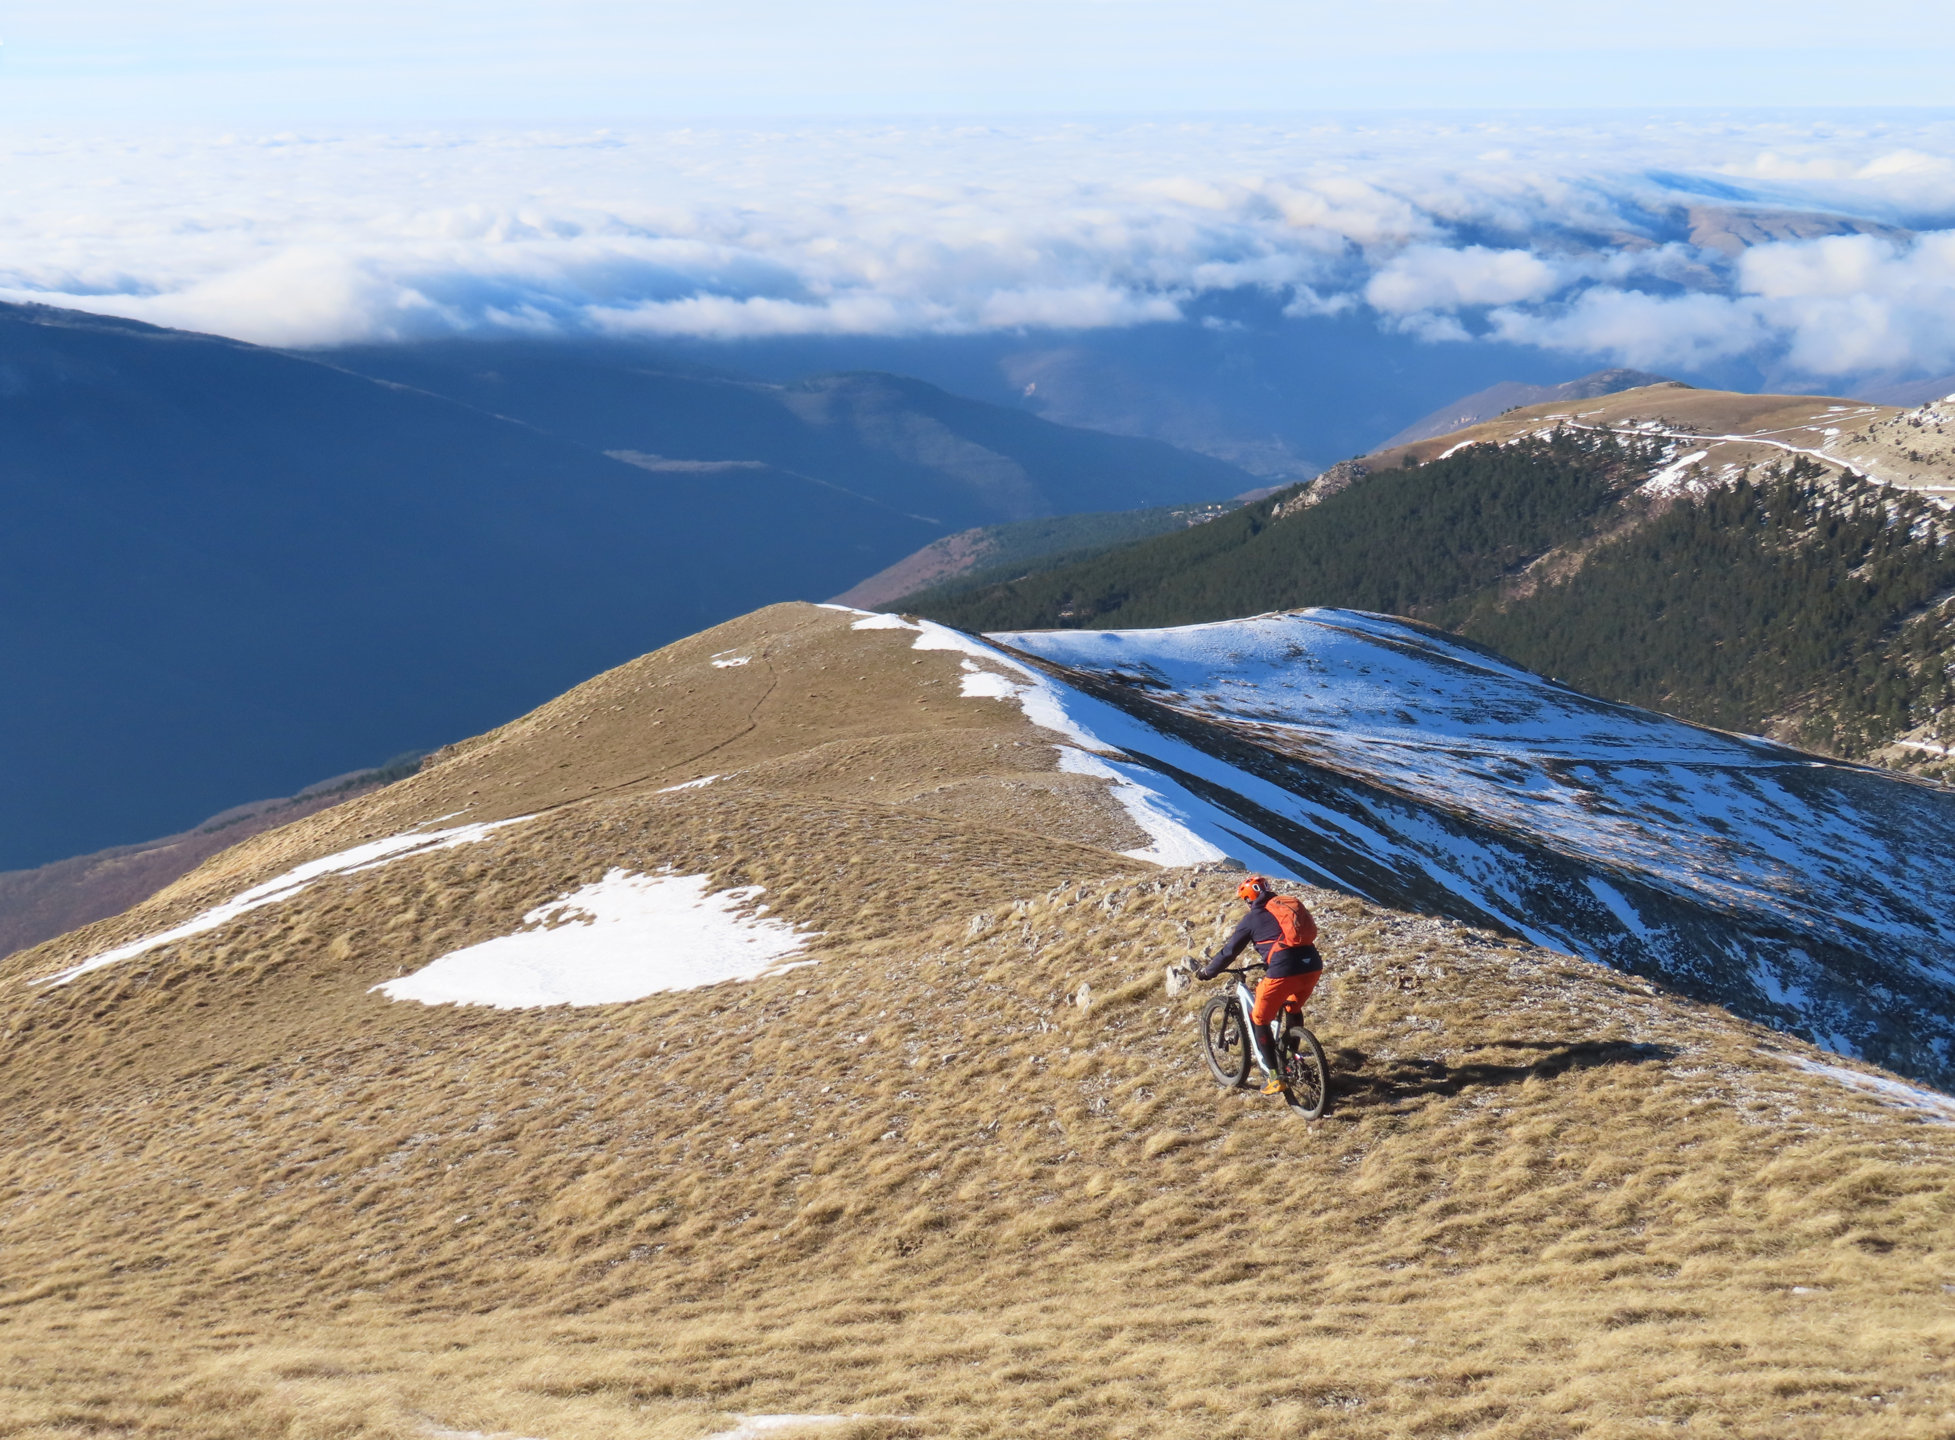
(1600, 235)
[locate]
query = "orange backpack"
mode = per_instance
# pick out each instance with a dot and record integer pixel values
(1298, 924)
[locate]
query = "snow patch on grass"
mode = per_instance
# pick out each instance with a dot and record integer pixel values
(620, 938)
(1047, 705)
(1611, 832)
(1429, 769)
(988, 684)
(369, 856)
(1923, 1101)
(1618, 905)
(751, 1427)
(702, 781)
(1670, 478)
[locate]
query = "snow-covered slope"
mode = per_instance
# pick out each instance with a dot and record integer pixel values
(1405, 765)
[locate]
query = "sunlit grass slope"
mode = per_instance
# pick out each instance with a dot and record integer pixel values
(918, 1183)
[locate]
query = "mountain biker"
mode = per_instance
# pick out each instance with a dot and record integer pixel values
(1293, 969)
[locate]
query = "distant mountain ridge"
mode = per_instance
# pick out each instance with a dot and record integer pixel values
(1908, 393)
(998, 551)
(1512, 395)
(66, 894)
(893, 440)
(969, 557)
(227, 570)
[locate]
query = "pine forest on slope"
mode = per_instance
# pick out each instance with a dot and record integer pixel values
(1787, 597)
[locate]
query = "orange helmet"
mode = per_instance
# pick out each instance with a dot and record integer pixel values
(1254, 888)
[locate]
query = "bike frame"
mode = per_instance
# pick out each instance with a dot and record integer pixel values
(1247, 1000)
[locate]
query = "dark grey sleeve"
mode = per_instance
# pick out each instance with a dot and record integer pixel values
(1232, 947)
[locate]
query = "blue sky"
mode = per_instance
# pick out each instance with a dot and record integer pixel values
(439, 60)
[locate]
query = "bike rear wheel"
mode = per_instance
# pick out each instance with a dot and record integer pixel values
(1306, 1075)
(1225, 1041)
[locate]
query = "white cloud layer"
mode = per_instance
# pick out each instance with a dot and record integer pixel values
(1651, 240)
(1431, 277)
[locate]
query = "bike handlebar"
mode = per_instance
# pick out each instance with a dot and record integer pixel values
(1242, 969)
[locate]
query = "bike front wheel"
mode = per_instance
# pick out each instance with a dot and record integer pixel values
(1306, 1075)
(1225, 1041)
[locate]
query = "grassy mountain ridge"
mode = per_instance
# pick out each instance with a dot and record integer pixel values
(925, 1185)
(1791, 598)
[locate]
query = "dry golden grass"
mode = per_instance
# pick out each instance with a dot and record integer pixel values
(914, 1184)
(1894, 446)
(1871, 443)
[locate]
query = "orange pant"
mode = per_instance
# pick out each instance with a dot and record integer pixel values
(1273, 997)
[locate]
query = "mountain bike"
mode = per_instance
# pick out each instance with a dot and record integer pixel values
(1300, 1063)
